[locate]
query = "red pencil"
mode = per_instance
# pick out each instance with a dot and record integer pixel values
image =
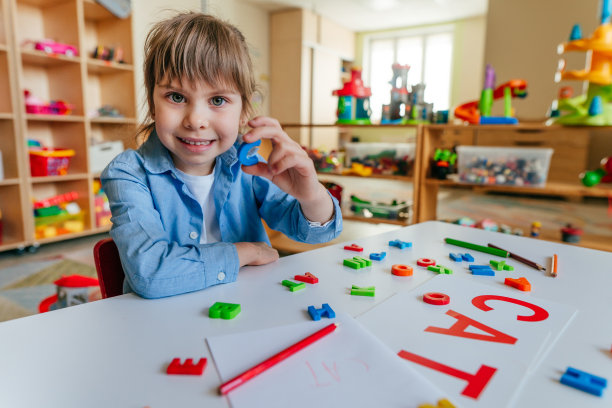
(277, 358)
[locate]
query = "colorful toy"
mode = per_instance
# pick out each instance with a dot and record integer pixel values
(519, 283)
(443, 163)
(357, 291)
(408, 107)
(307, 278)
(400, 97)
(436, 298)
(325, 311)
(535, 229)
(354, 101)
(224, 311)
(479, 112)
(293, 286)
(70, 290)
(595, 107)
(187, 368)
(601, 175)
(401, 270)
(441, 269)
(52, 47)
(584, 381)
(357, 262)
(570, 234)
(370, 209)
(108, 54)
(325, 162)
(400, 244)
(482, 270)
(247, 153)
(378, 256)
(38, 107)
(353, 247)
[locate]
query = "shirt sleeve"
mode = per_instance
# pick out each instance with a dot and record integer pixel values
(155, 264)
(283, 213)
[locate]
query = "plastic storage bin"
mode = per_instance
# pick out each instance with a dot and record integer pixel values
(384, 158)
(54, 225)
(509, 166)
(50, 162)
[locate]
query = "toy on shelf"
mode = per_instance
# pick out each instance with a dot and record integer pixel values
(101, 206)
(334, 189)
(409, 107)
(595, 107)
(370, 209)
(381, 158)
(106, 111)
(443, 163)
(354, 101)
(53, 48)
(571, 234)
(60, 214)
(114, 54)
(45, 161)
(603, 174)
(325, 162)
(37, 106)
(479, 112)
(535, 229)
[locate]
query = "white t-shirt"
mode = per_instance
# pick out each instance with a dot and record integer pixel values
(201, 187)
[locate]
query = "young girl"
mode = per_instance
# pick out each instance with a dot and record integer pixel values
(186, 213)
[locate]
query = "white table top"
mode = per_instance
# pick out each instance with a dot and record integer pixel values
(113, 353)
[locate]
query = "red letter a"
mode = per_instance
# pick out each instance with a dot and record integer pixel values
(458, 329)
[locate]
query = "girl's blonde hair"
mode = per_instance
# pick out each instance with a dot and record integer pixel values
(197, 47)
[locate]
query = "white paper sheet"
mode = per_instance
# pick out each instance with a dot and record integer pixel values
(347, 368)
(512, 362)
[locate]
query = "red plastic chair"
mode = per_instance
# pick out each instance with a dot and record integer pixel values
(109, 269)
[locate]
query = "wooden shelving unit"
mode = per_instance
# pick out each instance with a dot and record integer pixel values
(569, 159)
(334, 136)
(82, 81)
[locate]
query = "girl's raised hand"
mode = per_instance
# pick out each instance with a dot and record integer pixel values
(289, 166)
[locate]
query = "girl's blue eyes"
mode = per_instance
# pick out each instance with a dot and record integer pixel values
(215, 100)
(177, 98)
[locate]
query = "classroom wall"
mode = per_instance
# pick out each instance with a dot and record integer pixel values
(253, 21)
(521, 42)
(145, 14)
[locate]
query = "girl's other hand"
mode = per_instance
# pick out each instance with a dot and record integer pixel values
(255, 253)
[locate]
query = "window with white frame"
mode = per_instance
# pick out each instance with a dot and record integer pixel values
(429, 55)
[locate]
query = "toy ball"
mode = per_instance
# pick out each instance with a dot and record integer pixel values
(591, 177)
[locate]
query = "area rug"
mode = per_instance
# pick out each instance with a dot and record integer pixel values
(23, 287)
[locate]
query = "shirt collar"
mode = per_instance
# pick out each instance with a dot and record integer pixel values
(157, 158)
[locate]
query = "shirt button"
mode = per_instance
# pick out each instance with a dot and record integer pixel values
(193, 235)
(221, 276)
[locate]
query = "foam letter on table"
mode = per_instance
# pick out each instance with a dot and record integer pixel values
(307, 277)
(476, 382)
(458, 329)
(224, 310)
(539, 314)
(188, 368)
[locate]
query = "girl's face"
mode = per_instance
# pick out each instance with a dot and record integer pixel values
(196, 122)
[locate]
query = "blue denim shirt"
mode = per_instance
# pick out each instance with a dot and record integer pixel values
(157, 222)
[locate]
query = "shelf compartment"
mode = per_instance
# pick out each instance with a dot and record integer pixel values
(114, 89)
(12, 216)
(42, 191)
(66, 135)
(114, 132)
(37, 20)
(104, 29)
(8, 147)
(48, 83)
(5, 86)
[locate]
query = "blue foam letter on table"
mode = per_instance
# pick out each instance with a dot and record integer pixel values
(584, 381)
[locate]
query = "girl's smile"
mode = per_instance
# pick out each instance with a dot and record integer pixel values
(196, 122)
